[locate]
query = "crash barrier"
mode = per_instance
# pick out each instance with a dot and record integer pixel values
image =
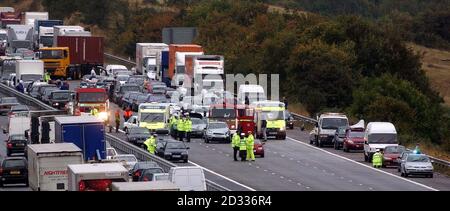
(141, 154)
(25, 99)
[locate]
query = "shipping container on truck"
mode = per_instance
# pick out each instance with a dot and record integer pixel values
(149, 58)
(47, 165)
(9, 18)
(96, 177)
(86, 132)
(177, 53)
(85, 53)
(44, 32)
(59, 30)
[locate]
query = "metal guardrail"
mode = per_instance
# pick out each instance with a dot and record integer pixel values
(26, 99)
(141, 154)
(436, 161)
(119, 59)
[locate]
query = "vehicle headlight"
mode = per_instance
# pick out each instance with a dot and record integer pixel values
(387, 158)
(350, 142)
(209, 132)
(283, 128)
(56, 104)
(103, 116)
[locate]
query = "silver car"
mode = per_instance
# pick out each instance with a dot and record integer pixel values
(217, 131)
(416, 164)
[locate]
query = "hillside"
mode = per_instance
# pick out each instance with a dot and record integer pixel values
(436, 63)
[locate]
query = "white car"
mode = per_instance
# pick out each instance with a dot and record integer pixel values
(113, 68)
(132, 122)
(127, 160)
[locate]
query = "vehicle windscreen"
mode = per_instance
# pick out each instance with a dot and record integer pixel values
(152, 117)
(382, 138)
(122, 78)
(355, 134)
(52, 54)
(174, 145)
(273, 115)
(217, 125)
(138, 81)
(60, 95)
(334, 123)
(126, 158)
(418, 158)
(18, 138)
(124, 89)
(9, 100)
(223, 113)
(139, 131)
(46, 40)
(91, 97)
(149, 172)
(116, 71)
(196, 121)
(394, 149)
(14, 164)
(31, 77)
(157, 98)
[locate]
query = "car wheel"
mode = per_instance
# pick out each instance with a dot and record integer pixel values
(262, 155)
(185, 160)
(431, 175)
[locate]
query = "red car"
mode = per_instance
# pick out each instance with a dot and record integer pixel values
(258, 148)
(391, 154)
(354, 140)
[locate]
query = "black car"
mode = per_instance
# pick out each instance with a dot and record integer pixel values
(6, 103)
(147, 174)
(43, 89)
(16, 144)
(127, 99)
(59, 98)
(122, 89)
(14, 170)
(173, 150)
(137, 135)
(139, 167)
(339, 137)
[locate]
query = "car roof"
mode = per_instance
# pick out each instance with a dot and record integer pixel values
(381, 127)
(17, 107)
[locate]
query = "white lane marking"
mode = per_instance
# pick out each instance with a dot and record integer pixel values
(224, 177)
(374, 169)
(212, 172)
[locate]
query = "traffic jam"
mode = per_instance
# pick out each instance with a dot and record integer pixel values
(175, 94)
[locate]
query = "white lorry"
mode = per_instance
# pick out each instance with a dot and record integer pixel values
(148, 59)
(96, 177)
(144, 186)
(31, 17)
(18, 125)
(20, 37)
(47, 165)
(29, 71)
(206, 72)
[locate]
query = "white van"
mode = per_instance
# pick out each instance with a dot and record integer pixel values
(253, 92)
(189, 178)
(112, 69)
(378, 135)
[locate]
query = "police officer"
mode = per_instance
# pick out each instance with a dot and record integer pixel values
(47, 77)
(377, 159)
(20, 87)
(188, 128)
(181, 128)
(235, 141)
(150, 143)
(250, 145)
(243, 147)
(94, 112)
(117, 119)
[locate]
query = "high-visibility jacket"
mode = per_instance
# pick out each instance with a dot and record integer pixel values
(181, 125)
(128, 113)
(188, 125)
(377, 159)
(150, 143)
(235, 140)
(46, 77)
(171, 121)
(243, 144)
(94, 112)
(250, 141)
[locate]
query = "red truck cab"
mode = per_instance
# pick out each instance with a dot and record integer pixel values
(90, 98)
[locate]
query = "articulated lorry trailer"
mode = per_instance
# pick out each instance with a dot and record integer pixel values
(149, 59)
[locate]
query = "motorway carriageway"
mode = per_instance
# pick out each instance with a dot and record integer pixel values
(294, 165)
